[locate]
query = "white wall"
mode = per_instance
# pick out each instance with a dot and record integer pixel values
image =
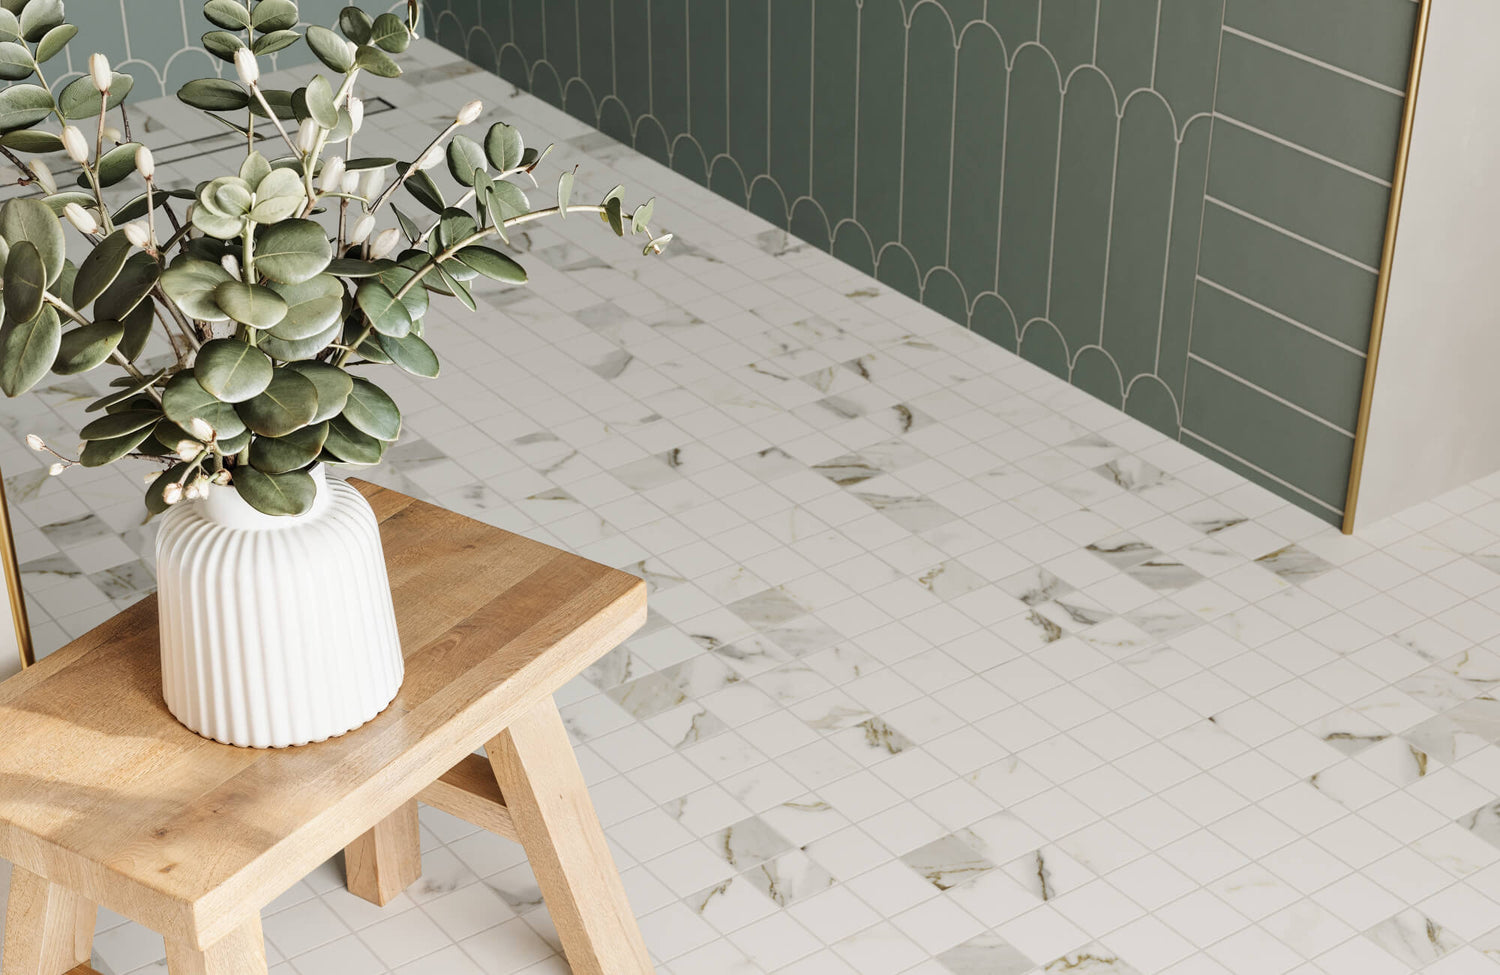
(1435, 416)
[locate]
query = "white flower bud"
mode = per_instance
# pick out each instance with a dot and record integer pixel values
(172, 493)
(370, 182)
(138, 233)
(145, 163)
(201, 429)
(43, 174)
(76, 144)
(220, 477)
(350, 183)
(113, 134)
(188, 450)
(81, 218)
(99, 71)
(332, 177)
(385, 243)
(307, 136)
(470, 113)
(356, 108)
(232, 265)
(247, 66)
(35, 442)
(56, 469)
(362, 229)
(430, 158)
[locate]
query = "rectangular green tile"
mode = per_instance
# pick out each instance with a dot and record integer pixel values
(1294, 278)
(1372, 38)
(1332, 515)
(1277, 356)
(1268, 434)
(1330, 113)
(1300, 193)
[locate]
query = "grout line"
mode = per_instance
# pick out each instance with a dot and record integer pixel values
(1194, 357)
(1291, 233)
(1314, 61)
(1261, 471)
(1282, 317)
(1355, 170)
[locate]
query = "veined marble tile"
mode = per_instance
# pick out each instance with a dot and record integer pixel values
(748, 843)
(1414, 938)
(789, 878)
(986, 955)
(1294, 564)
(947, 862)
(1094, 959)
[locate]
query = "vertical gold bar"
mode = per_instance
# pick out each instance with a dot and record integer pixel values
(13, 583)
(1387, 257)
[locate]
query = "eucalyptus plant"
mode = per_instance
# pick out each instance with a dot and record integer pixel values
(270, 284)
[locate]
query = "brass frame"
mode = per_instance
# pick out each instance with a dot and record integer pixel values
(12, 568)
(1387, 258)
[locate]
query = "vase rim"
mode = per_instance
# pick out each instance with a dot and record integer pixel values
(226, 508)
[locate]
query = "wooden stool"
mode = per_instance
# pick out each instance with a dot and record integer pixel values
(106, 800)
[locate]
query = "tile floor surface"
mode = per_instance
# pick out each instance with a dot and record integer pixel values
(950, 669)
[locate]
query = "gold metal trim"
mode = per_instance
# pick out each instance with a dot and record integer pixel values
(12, 568)
(1387, 257)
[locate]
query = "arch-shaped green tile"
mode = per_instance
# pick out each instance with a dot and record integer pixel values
(852, 246)
(513, 66)
(978, 157)
(882, 52)
(810, 223)
(1085, 173)
(614, 120)
(527, 30)
(562, 38)
(632, 39)
(1016, 20)
(1067, 30)
(748, 80)
(453, 34)
(1042, 344)
(725, 179)
(482, 50)
(767, 201)
(1182, 255)
(1150, 401)
(708, 98)
(895, 267)
(578, 101)
(1095, 373)
(790, 134)
(944, 294)
(927, 145)
(1031, 126)
(1138, 234)
(992, 318)
(1127, 43)
(835, 104)
(596, 48)
(687, 159)
(669, 64)
(651, 140)
(545, 83)
(1187, 55)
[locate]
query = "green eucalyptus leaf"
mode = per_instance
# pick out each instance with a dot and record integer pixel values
(288, 351)
(184, 399)
(492, 264)
(134, 282)
(376, 61)
(614, 217)
(23, 105)
(40, 16)
(351, 267)
(356, 24)
(369, 347)
(191, 284)
(254, 169)
(53, 43)
(464, 157)
(452, 286)
(100, 268)
(273, 15)
(82, 100)
(411, 353)
(330, 48)
(32, 140)
(319, 95)
(311, 307)
(250, 304)
(408, 225)
(642, 216)
(293, 451)
(87, 347)
(116, 164)
(507, 200)
(363, 163)
(371, 411)
(280, 102)
(333, 383)
(292, 251)
(137, 325)
(426, 192)
(386, 312)
(133, 387)
(275, 494)
(455, 226)
(137, 206)
(15, 61)
(155, 501)
(228, 14)
(97, 453)
(288, 404)
(214, 95)
(235, 444)
(232, 370)
(27, 351)
(113, 425)
(564, 193)
(504, 146)
(58, 202)
(24, 218)
(222, 44)
(349, 445)
(10, 27)
(275, 41)
(389, 33)
(395, 279)
(279, 197)
(25, 282)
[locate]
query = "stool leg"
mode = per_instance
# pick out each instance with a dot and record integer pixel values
(240, 952)
(545, 792)
(49, 930)
(387, 859)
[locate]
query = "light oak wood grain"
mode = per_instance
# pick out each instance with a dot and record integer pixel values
(469, 791)
(241, 952)
(102, 789)
(387, 859)
(547, 798)
(48, 928)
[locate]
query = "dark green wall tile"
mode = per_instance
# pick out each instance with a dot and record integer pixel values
(894, 266)
(1187, 54)
(1278, 357)
(562, 38)
(1030, 181)
(1068, 32)
(1095, 373)
(545, 83)
(1182, 255)
(978, 153)
(748, 104)
(809, 223)
(1127, 43)
(991, 317)
(942, 293)
(791, 108)
(669, 63)
(928, 141)
(1332, 114)
(1330, 515)
(834, 101)
(1149, 400)
(767, 202)
(1372, 38)
(651, 140)
(1300, 193)
(708, 95)
(632, 44)
(1080, 242)
(1041, 344)
(596, 46)
(1268, 434)
(1293, 278)
(852, 246)
(528, 29)
(1016, 20)
(882, 56)
(1139, 234)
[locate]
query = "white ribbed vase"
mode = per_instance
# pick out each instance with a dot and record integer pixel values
(275, 631)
